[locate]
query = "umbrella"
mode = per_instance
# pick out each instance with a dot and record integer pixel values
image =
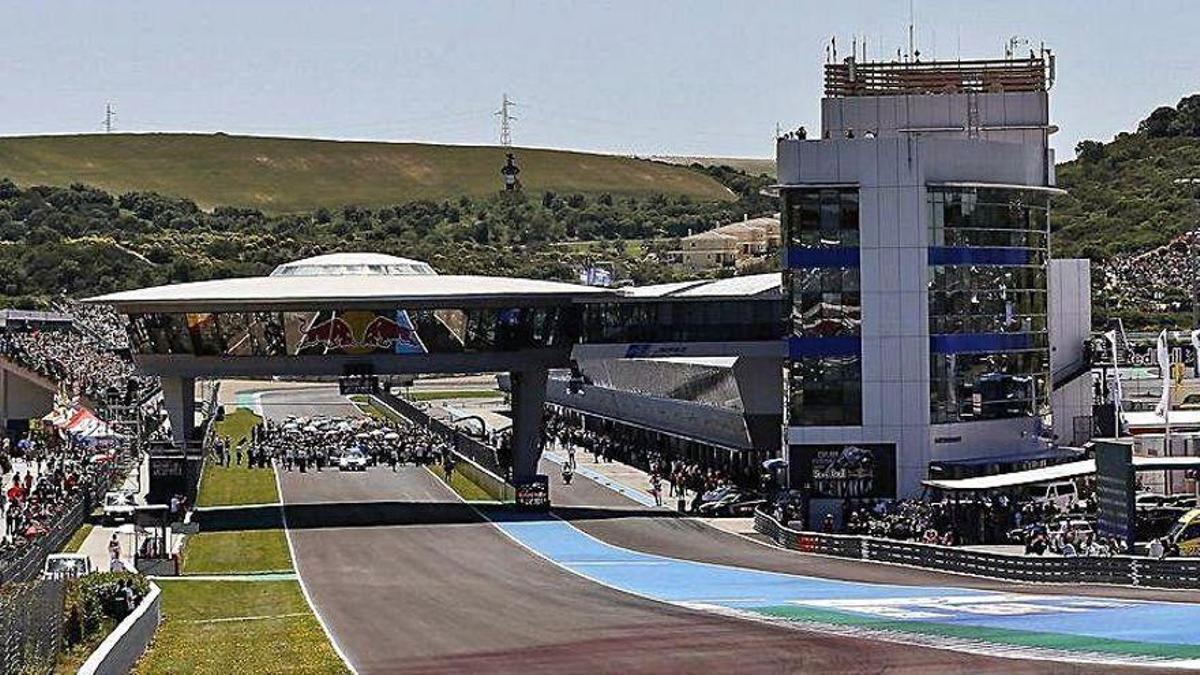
(774, 463)
(392, 436)
(362, 434)
(377, 432)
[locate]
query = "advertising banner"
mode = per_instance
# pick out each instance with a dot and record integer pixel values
(845, 471)
(1115, 491)
(533, 494)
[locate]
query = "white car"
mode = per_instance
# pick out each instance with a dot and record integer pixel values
(352, 460)
(1063, 494)
(119, 505)
(66, 566)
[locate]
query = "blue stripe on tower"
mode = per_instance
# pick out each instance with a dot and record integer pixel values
(978, 255)
(822, 257)
(845, 345)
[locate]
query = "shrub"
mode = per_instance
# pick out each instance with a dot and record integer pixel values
(96, 600)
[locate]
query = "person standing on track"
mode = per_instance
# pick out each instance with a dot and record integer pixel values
(656, 488)
(567, 472)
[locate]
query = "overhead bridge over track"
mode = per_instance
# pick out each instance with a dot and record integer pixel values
(364, 314)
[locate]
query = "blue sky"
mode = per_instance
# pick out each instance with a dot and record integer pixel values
(647, 77)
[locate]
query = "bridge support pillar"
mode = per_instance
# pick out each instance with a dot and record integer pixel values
(179, 398)
(528, 402)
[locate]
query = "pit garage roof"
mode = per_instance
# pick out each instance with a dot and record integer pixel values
(744, 286)
(307, 292)
(1055, 473)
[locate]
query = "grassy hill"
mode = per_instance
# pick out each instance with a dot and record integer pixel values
(751, 165)
(1126, 199)
(280, 175)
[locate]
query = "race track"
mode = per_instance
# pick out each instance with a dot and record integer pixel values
(410, 580)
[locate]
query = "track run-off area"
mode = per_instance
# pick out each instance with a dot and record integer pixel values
(406, 577)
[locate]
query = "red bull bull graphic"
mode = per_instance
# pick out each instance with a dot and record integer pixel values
(360, 332)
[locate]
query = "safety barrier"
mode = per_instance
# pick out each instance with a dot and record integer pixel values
(123, 647)
(1181, 573)
(477, 460)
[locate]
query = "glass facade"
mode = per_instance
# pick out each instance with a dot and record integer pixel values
(453, 330)
(821, 226)
(354, 332)
(987, 303)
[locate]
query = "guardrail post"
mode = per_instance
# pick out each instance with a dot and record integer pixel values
(1133, 572)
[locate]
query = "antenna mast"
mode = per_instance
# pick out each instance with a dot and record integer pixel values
(506, 120)
(110, 116)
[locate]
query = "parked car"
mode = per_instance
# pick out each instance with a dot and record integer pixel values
(1063, 494)
(66, 566)
(729, 501)
(352, 460)
(119, 506)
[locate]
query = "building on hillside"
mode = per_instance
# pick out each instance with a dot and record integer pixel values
(918, 273)
(728, 246)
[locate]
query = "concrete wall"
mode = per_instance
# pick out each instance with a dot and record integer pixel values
(22, 399)
(123, 647)
(998, 114)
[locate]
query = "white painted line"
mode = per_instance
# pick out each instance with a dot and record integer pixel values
(945, 643)
(230, 619)
(287, 533)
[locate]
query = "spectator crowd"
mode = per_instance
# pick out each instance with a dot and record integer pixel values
(316, 443)
(57, 475)
(1156, 280)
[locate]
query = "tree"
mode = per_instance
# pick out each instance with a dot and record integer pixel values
(1089, 151)
(1158, 124)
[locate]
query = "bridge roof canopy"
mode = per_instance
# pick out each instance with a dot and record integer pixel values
(300, 292)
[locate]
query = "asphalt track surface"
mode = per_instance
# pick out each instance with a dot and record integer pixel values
(410, 580)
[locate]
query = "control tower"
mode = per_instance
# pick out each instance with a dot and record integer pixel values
(918, 273)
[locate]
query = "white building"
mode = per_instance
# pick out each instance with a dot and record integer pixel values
(919, 275)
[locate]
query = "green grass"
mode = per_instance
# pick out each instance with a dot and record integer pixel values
(441, 395)
(190, 641)
(282, 175)
(465, 487)
(237, 426)
(77, 539)
(237, 485)
(237, 552)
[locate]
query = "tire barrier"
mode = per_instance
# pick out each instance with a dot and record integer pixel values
(1180, 573)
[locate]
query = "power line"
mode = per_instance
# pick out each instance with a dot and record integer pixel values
(506, 120)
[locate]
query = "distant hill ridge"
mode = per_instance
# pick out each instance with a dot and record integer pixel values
(287, 175)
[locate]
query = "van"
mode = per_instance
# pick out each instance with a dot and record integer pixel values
(1062, 494)
(1185, 536)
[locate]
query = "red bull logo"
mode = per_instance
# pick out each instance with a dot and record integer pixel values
(359, 332)
(333, 333)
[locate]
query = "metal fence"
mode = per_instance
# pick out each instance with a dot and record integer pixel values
(481, 453)
(26, 563)
(1182, 573)
(31, 625)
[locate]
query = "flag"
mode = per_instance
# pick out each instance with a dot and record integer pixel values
(1118, 395)
(1164, 365)
(1196, 347)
